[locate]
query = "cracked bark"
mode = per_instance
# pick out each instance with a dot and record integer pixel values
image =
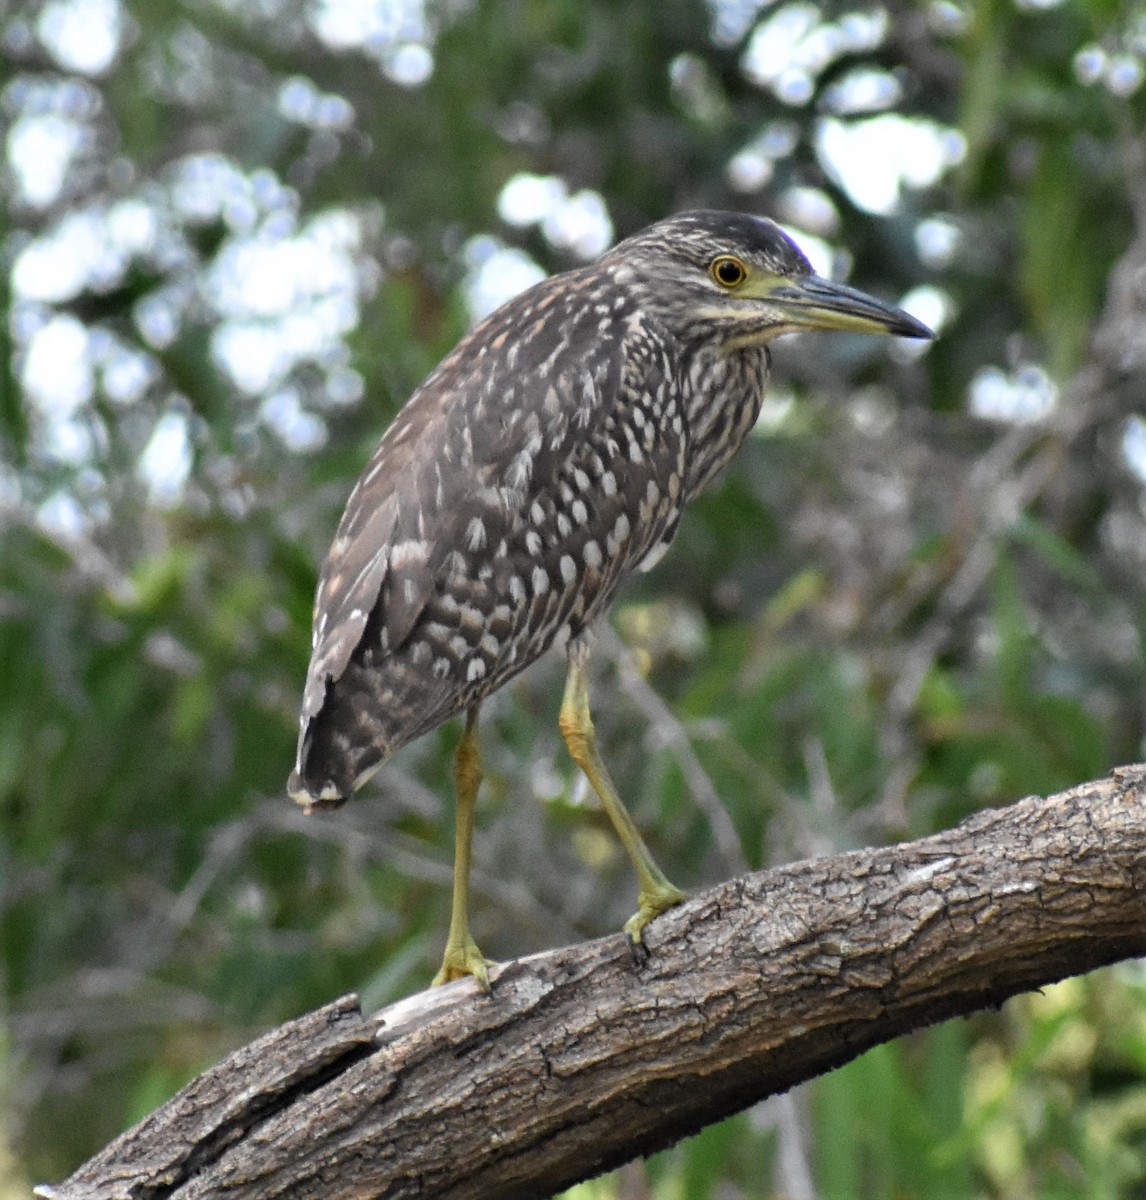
(582, 1059)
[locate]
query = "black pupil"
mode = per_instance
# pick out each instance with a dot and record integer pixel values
(729, 272)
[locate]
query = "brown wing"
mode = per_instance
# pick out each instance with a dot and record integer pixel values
(486, 423)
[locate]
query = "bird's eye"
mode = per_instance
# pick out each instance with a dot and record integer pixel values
(729, 272)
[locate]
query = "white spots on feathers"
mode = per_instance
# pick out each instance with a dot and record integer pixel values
(471, 618)
(475, 670)
(616, 538)
(475, 534)
(654, 556)
(501, 616)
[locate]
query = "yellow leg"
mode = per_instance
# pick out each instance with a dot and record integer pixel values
(462, 957)
(656, 892)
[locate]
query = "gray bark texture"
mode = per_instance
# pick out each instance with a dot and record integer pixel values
(582, 1058)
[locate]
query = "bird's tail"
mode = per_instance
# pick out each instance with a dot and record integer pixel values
(330, 768)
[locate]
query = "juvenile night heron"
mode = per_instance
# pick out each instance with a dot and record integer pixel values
(547, 457)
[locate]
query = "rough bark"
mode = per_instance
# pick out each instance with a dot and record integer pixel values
(581, 1058)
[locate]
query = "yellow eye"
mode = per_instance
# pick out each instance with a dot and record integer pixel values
(728, 271)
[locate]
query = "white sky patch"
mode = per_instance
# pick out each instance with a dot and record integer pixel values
(165, 462)
(132, 226)
(301, 101)
(306, 285)
(57, 371)
(89, 248)
(931, 305)
(937, 241)
(1021, 397)
(1120, 73)
(773, 57)
(1134, 445)
(270, 277)
(862, 90)
(81, 35)
(579, 223)
(528, 199)
(731, 19)
(823, 256)
(57, 376)
(298, 430)
(344, 24)
(254, 356)
(410, 65)
(748, 171)
(1123, 75)
(874, 159)
(396, 33)
(40, 151)
(158, 315)
(284, 300)
(126, 373)
(809, 208)
(752, 167)
(779, 403)
(1090, 63)
(789, 50)
(62, 515)
(209, 187)
(496, 273)
(60, 264)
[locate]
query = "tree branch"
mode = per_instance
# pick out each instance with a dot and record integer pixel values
(582, 1059)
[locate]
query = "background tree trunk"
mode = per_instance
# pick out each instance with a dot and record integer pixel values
(582, 1058)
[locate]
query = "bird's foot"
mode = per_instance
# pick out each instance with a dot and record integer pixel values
(653, 901)
(462, 958)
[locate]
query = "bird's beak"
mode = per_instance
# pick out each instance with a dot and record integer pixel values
(810, 302)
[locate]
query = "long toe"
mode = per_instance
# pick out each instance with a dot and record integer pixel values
(462, 959)
(652, 904)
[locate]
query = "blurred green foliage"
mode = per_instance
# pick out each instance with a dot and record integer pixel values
(906, 599)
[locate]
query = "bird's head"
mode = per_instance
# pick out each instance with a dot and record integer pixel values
(739, 280)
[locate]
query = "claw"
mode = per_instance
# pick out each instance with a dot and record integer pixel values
(652, 904)
(463, 958)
